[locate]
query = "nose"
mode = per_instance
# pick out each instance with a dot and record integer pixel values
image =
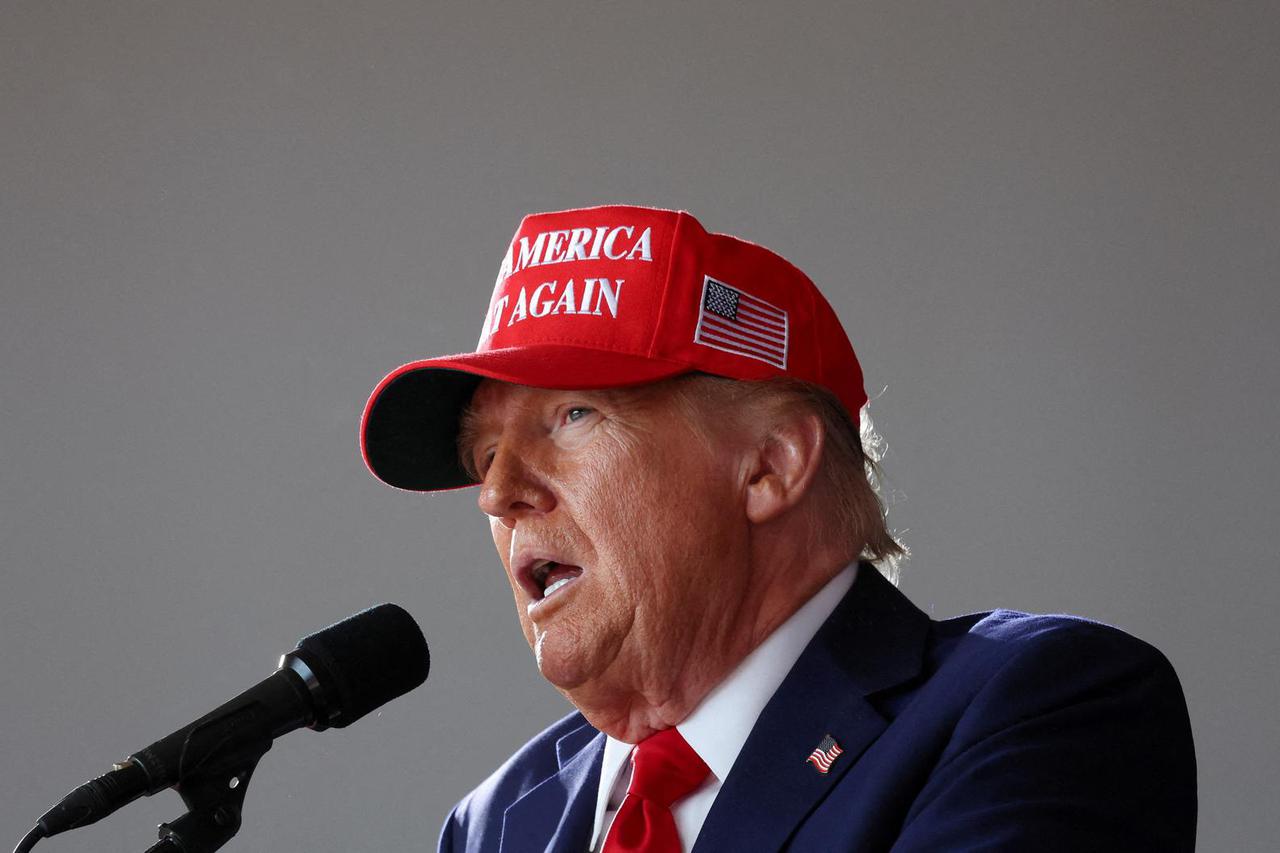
(512, 489)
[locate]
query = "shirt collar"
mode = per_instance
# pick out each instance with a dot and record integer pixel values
(719, 726)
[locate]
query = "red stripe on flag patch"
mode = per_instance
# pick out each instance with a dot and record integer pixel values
(825, 754)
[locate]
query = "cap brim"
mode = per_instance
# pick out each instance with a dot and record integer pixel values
(409, 431)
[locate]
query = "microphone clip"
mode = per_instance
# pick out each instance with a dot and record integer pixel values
(214, 796)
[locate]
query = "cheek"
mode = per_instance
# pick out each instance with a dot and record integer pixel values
(664, 536)
(698, 526)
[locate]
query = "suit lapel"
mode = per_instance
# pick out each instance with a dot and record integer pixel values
(557, 813)
(873, 640)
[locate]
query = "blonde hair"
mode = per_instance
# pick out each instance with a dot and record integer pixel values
(850, 472)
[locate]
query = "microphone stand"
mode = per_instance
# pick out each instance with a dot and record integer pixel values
(214, 796)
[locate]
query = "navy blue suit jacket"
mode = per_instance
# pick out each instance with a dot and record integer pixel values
(993, 731)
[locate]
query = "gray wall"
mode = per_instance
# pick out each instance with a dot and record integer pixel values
(1051, 229)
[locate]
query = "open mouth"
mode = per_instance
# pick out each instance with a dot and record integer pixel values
(550, 577)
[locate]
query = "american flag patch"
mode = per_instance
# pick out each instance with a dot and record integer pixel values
(734, 321)
(825, 755)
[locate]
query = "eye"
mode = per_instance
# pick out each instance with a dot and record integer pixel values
(573, 414)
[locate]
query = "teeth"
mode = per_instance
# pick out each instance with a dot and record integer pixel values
(555, 586)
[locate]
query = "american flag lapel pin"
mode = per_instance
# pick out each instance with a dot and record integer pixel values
(825, 754)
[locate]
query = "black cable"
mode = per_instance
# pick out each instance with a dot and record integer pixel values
(29, 840)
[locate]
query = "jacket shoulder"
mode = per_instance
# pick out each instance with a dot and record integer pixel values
(1017, 626)
(1005, 637)
(1052, 727)
(1040, 658)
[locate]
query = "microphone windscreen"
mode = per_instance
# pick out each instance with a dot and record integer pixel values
(366, 660)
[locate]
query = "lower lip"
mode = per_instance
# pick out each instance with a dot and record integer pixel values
(542, 606)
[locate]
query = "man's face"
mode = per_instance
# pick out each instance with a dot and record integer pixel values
(620, 527)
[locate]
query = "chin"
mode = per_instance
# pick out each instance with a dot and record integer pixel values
(564, 669)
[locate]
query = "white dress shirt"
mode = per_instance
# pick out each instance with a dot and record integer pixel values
(719, 726)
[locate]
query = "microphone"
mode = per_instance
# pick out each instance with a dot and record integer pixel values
(333, 678)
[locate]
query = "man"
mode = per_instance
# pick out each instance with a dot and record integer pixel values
(661, 422)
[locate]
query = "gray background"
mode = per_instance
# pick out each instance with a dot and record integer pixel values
(1050, 228)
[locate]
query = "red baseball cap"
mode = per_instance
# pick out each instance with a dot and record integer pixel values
(604, 297)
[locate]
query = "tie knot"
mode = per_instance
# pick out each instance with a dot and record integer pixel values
(665, 769)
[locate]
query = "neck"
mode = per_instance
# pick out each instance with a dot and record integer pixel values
(642, 695)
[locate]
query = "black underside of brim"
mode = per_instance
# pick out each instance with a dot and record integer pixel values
(411, 434)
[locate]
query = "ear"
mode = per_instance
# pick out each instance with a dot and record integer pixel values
(785, 466)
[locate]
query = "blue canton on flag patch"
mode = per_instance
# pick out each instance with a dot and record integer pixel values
(721, 300)
(734, 321)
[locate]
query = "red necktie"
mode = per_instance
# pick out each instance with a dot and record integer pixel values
(664, 770)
